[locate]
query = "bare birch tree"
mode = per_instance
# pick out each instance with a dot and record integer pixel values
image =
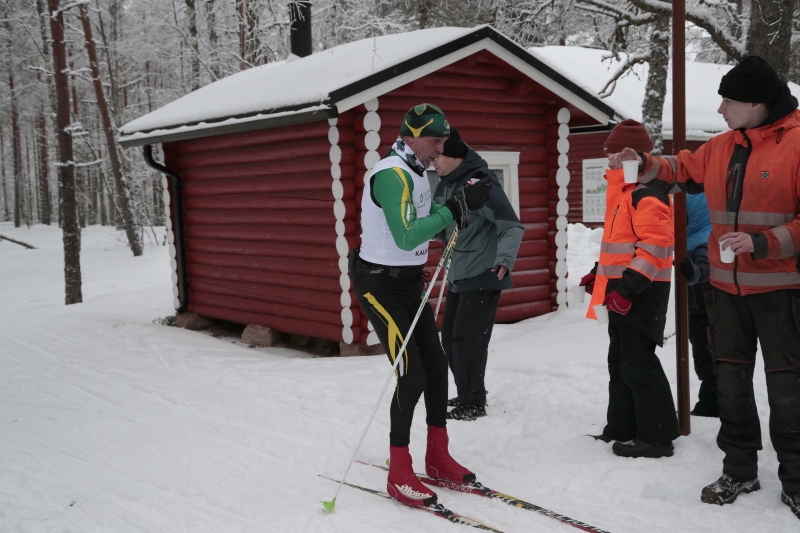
(655, 90)
(193, 46)
(66, 168)
(213, 40)
(6, 215)
(123, 191)
(16, 150)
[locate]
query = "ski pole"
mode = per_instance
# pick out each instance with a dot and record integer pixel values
(444, 281)
(329, 505)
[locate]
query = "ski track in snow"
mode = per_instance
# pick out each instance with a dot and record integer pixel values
(110, 423)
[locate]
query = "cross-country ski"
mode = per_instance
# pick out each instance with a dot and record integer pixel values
(475, 487)
(436, 509)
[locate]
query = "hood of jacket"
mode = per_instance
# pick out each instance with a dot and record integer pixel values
(785, 104)
(782, 118)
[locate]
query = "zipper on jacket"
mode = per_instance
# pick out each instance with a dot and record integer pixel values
(613, 218)
(734, 200)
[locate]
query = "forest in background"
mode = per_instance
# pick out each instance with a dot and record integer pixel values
(150, 52)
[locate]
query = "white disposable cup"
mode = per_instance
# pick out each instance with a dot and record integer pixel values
(727, 255)
(578, 293)
(631, 170)
(601, 313)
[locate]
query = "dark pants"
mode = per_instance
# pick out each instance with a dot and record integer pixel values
(771, 319)
(703, 365)
(639, 397)
(466, 331)
(391, 304)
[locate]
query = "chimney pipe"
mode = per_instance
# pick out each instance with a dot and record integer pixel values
(300, 28)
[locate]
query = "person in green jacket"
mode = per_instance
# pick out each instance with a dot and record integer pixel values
(481, 269)
(398, 218)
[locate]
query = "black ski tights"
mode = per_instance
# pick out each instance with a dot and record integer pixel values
(390, 304)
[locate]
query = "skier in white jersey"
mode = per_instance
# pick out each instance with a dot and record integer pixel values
(398, 219)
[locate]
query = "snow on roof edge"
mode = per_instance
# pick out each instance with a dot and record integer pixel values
(232, 124)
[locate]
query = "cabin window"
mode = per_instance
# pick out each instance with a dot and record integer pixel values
(505, 166)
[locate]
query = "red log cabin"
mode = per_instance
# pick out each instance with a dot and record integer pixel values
(267, 166)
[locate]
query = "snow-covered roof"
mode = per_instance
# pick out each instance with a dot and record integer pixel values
(338, 79)
(586, 68)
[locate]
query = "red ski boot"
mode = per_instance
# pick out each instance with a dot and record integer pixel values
(403, 484)
(439, 464)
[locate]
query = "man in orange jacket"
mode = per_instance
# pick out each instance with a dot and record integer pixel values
(633, 279)
(751, 177)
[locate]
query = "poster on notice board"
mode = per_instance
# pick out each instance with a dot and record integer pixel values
(594, 189)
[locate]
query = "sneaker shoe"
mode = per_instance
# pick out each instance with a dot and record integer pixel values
(467, 411)
(793, 501)
(637, 448)
(727, 488)
(438, 462)
(403, 484)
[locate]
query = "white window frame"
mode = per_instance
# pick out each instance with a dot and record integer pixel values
(508, 162)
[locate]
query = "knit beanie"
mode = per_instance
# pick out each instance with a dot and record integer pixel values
(425, 120)
(628, 134)
(753, 80)
(454, 146)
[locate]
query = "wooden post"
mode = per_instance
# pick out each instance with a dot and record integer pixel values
(679, 143)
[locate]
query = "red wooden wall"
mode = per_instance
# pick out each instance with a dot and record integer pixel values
(259, 225)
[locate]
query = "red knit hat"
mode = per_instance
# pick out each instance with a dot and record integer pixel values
(628, 134)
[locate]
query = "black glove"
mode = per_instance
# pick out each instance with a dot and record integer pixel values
(690, 271)
(469, 198)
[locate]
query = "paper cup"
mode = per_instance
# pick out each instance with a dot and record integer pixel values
(578, 293)
(602, 314)
(631, 170)
(727, 255)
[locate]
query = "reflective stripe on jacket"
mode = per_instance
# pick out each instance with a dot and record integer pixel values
(752, 182)
(637, 235)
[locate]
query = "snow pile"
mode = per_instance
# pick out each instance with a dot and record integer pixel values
(110, 423)
(583, 250)
(589, 69)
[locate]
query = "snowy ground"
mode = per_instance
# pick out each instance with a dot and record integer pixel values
(110, 423)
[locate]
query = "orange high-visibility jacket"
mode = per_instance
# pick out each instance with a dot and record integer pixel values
(752, 182)
(638, 235)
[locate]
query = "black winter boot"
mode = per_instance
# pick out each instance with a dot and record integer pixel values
(453, 402)
(727, 488)
(638, 448)
(467, 411)
(793, 501)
